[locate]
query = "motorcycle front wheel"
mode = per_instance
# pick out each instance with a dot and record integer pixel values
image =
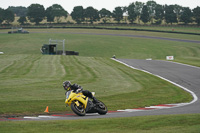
(79, 110)
(101, 108)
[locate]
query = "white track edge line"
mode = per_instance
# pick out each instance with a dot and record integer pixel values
(46, 116)
(29, 117)
(195, 98)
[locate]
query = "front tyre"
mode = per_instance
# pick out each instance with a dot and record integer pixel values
(79, 110)
(101, 108)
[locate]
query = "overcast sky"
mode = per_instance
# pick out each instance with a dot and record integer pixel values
(68, 5)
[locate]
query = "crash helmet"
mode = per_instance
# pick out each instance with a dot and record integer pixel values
(67, 85)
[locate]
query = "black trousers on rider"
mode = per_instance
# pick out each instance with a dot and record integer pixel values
(87, 93)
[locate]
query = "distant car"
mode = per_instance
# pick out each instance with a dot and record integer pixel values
(19, 31)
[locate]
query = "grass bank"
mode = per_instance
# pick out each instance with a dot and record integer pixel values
(142, 124)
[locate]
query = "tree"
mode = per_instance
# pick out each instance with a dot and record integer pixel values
(151, 5)
(125, 13)
(78, 14)
(36, 13)
(170, 15)
(49, 14)
(186, 15)
(138, 9)
(91, 14)
(118, 14)
(22, 20)
(131, 13)
(178, 9)
(57, 11)
(1, 15)
(104, 14)
(18, 10)
(8, 16)
(196, 13)
(145, 14)
(159, 14)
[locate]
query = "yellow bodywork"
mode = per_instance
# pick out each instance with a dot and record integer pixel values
(77, 98)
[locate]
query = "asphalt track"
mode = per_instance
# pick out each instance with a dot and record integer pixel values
(127, 35)
(140, 36)
(185, 76)
(124, 35)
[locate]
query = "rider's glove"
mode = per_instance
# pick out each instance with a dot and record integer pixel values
(78, 90)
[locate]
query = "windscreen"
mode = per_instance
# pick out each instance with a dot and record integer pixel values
(67, 94)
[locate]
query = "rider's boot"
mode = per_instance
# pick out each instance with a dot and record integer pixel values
(95, 100)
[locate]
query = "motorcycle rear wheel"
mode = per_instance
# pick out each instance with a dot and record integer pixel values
(79, 110)
(101, 108)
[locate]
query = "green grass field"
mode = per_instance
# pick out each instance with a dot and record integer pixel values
(30, 81)
(143, 124)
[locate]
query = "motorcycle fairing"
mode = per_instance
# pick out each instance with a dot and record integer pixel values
(70, 96)
(90, 107)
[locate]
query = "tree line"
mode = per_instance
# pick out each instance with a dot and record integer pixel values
(136, 11)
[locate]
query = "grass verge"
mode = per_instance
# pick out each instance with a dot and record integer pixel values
(143, 124)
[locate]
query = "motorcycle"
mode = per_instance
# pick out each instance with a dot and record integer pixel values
(81, 104)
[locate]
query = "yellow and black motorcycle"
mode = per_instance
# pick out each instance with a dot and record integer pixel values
(81, 104)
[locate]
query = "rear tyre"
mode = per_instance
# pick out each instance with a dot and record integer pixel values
(79, 110)
(101, 108)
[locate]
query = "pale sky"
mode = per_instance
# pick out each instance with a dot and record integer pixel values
(110, 5)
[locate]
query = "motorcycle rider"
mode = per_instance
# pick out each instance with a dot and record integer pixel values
(76, 88)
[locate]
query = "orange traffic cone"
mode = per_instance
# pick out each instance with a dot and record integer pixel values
(47, 109)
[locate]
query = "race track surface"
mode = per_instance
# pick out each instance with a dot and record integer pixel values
(184, 75)
(124, 35)
(141, 36)
(127, 35)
